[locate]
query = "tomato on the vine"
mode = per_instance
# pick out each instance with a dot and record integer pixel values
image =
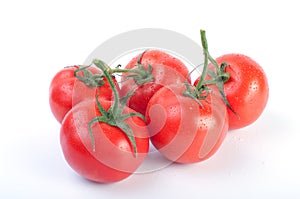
(111, 158)
(67, 90)
(246, 89)
(183, 129)
(159, 69)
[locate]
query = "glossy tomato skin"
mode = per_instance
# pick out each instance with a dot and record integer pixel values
(66, 91)
(112, 158)
(181, 129)
(247, 89)
(166, 70)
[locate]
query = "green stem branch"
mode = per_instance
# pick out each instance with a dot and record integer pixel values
(114, 115)
(206, 54)
(106, 71)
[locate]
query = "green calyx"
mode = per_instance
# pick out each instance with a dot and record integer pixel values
(90, 79)
(142, 75)
(139, 75)
(217, 77)
(114, 115)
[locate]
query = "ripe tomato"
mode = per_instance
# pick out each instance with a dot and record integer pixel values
(66, 91)
(181, 129)
(111, 157)
(247, 89)
(166, 70)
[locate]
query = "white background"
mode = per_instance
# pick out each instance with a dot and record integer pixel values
(38, 38)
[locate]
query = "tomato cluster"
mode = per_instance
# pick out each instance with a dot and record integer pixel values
(106, 126)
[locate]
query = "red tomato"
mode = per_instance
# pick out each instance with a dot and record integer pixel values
(66, 91)
(166, 70)
(111, 158)
(181, 129)
(247, 89)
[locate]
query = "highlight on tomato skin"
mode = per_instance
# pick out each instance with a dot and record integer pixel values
(247, 89)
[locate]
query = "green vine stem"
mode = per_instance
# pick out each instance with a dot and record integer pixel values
(217, 77)
(88, 78)
(206, 54)
(114, 115)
